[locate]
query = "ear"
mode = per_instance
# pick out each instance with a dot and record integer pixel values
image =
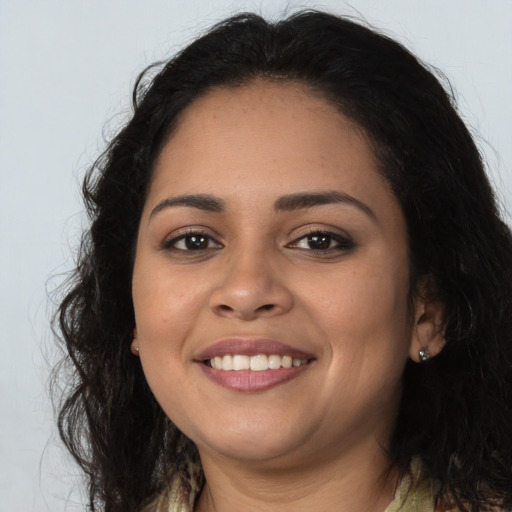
(134, 347)
(428, 329)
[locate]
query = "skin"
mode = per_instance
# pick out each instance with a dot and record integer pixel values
(316, 441)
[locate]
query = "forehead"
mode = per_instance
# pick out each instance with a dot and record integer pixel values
(262, 128)
(284, 108)
(251, 144)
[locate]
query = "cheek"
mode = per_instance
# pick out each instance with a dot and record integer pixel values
(169, 309)
(364, 313)
(163, 303)
(164, 314)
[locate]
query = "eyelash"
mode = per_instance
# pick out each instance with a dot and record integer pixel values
(171, 243)
(343, 243)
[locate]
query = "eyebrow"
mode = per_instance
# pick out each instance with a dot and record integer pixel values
(200, 201)
(288, 202)
(308, 199)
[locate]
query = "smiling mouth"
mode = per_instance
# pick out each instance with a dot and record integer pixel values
(254, 363)
(246, 364)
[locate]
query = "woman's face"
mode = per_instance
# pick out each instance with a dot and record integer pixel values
(269, 238)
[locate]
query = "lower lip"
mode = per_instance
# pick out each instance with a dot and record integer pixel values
(249, 381)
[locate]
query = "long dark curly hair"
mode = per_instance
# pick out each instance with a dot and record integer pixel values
(456, 409)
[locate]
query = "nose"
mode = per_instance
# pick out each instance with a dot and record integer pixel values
(249, 289)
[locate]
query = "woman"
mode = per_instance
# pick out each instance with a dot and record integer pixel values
(296, 290)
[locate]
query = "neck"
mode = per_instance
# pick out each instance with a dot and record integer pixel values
(355, 484)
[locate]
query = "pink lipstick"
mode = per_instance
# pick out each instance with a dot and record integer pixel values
(245, 364)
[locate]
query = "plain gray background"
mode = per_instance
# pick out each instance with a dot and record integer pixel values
(66, 71)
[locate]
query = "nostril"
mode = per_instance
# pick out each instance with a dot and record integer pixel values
(266, 307)
(224, 308)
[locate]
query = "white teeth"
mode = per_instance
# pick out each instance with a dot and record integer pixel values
(286, 362)
(274, 362)
(257, 363)
(241, 362)
(227, 362)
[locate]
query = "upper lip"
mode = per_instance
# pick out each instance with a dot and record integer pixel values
(250, 347)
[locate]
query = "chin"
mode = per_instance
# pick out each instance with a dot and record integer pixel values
(249, 444)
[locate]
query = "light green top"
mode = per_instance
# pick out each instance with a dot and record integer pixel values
(416, 492)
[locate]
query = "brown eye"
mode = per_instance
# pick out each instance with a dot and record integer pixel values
(323, 242)
(319, 242)
(195, 242)
(192, 242)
